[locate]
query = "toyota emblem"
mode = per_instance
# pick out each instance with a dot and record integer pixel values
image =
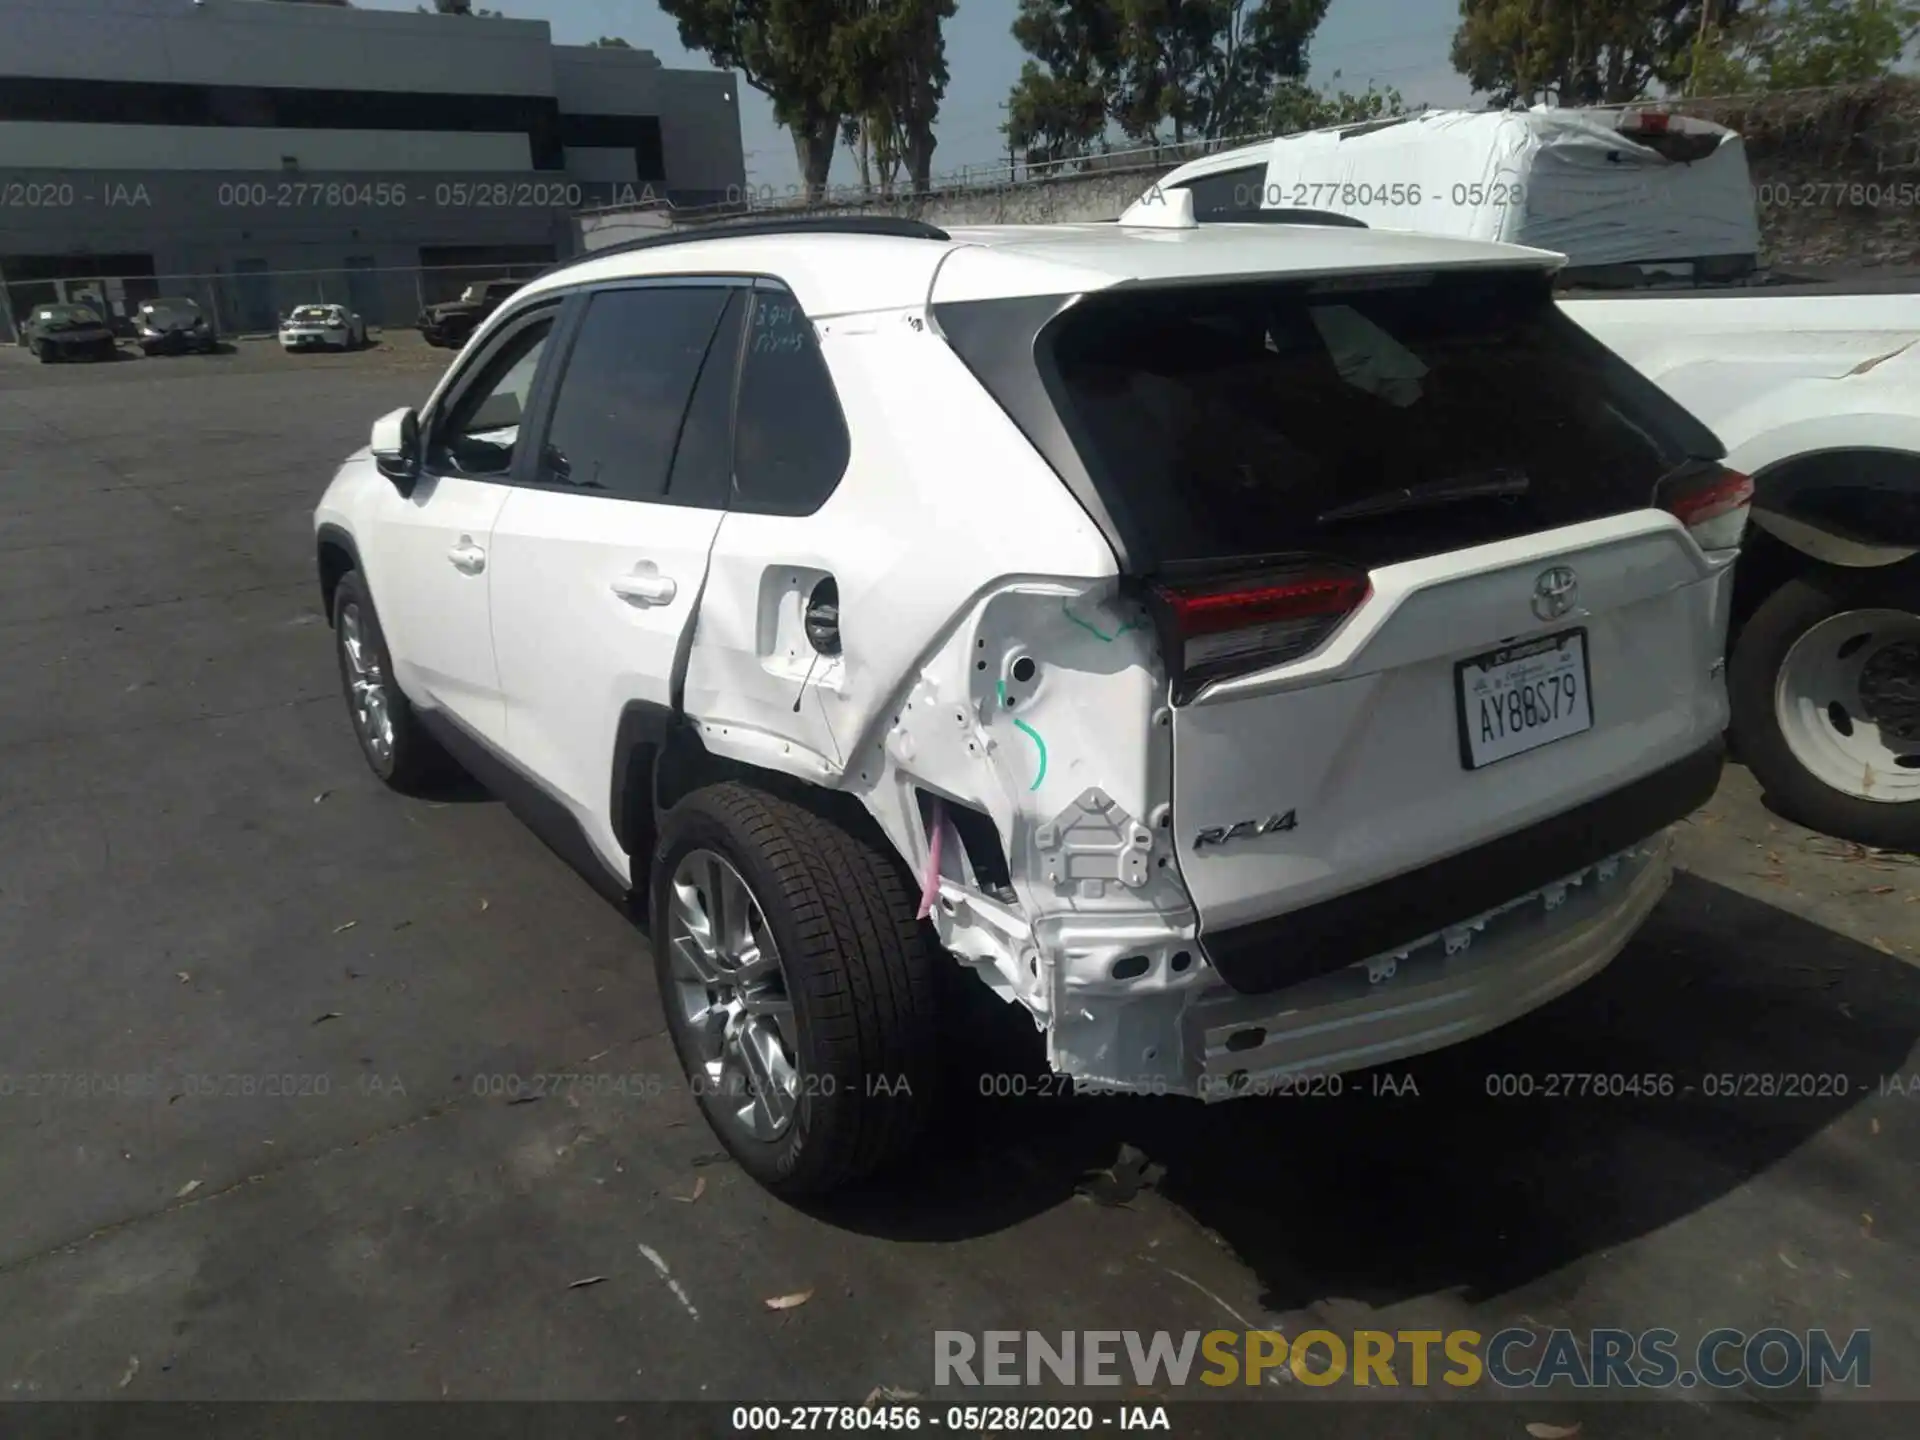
(1554, 592)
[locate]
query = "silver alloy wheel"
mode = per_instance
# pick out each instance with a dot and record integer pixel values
(1848, 703)
(732, 994)
(366, 686)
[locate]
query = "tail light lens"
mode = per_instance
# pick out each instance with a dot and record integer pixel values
(1234, 624)
(1711, 501)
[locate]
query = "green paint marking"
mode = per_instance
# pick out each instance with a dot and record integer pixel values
(1034, 735)
(1000, 689)
(1094, 630)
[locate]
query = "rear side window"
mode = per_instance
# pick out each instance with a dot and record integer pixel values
(790, 439)
(623, 395)
(1379, 424)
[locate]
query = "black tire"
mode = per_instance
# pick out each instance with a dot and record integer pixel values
(415, 761)
(1753, 675)
(859, 968)
(43, 352)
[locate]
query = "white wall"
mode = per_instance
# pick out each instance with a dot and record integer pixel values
(33, 143)
(261, 42)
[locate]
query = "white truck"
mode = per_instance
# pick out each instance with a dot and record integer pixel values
(1808, 380)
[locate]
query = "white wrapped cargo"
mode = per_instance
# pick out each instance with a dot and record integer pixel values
(1603, 187)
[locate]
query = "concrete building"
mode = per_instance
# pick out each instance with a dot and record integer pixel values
(256, 153)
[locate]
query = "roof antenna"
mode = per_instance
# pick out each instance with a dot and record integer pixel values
(1162, 209)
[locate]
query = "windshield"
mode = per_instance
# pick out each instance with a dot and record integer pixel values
(66, 315)
(171, 309)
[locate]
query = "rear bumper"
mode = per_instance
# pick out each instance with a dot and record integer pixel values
(1456, 985)
(1285, 950)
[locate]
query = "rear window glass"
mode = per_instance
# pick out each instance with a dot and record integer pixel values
(1379, 424)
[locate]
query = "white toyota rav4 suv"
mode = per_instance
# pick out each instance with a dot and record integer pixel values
(1258, 650)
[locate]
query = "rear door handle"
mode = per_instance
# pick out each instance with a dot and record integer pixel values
(645, 588)
(467, 557)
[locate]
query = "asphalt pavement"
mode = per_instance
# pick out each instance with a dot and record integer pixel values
(257, 1014)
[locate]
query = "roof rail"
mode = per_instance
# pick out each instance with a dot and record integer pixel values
(895, 226)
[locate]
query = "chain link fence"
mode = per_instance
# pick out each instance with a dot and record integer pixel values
(244, 301)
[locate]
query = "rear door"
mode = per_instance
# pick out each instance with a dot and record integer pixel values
(1401, 541)
(599, 558)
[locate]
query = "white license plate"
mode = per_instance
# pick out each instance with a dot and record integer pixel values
(1525, 696)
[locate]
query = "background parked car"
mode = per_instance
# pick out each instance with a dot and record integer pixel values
(322, 327)
(450, 324)
(68, 332)
(174, 326)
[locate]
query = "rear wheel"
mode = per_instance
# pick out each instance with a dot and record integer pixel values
(1825, 687)
(798, 986)
(397, 746)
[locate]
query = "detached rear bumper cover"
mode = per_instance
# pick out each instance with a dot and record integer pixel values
(1393, 914)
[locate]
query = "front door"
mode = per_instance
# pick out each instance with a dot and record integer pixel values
(432, 569)
(598, 563)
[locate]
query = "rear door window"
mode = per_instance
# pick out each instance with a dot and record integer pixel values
(1378, 422)
(623, 394)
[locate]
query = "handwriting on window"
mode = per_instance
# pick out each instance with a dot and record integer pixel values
(779, 328)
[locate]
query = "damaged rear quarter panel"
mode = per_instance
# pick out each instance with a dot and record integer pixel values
(987, 658)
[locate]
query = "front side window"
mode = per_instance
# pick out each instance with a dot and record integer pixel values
(480, 432)
(623, 396)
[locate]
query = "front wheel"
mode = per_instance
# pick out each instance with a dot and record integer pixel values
(397, 746)
(798, 986)
(1825, 689)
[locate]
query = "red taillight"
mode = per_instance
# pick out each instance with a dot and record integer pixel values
(1712, 503)
(1647, 122)
(1233, 624)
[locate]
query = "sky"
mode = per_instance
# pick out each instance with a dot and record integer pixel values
(1401, 43)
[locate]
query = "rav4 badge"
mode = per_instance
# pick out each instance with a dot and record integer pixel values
(1241, 829)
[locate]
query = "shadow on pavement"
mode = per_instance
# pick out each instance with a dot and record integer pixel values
(1381, 1197)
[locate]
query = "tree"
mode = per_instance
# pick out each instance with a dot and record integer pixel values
(785, 49)
(1578, 52)
(1201, 68)
(454, 7)
(1058, 107)
(893, 63)
(610, 42)
(1798, 44)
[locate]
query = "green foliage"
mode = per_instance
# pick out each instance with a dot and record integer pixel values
(892, 64)
(610, 42)
(1194, 68)
(1578, 52)
(789, 51)
(1296, 106)
(1799, 44)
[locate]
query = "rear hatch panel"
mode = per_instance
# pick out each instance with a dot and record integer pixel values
(1490, 469)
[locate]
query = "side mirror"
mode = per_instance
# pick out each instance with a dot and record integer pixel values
(396, 447)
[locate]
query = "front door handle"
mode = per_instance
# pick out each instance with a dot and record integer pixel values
(645, 588)
(467, 557)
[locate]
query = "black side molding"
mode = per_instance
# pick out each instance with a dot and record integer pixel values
(1286, 949)
(639, 739)
(538, 808)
